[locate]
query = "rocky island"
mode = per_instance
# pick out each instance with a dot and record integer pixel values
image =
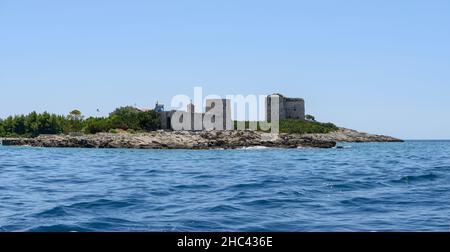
(131, 127)
(198, 140)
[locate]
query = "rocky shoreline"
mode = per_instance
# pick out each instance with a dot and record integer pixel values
(198, 140)
(349, 135)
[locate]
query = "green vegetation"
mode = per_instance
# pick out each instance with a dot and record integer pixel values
(310, 118)
(34, 124)
(74, 121)
(293, 126)
(94, 125)
(128, 119)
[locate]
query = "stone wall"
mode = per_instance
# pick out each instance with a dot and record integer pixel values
(166, 117)
(294, 108)
(288, 108)
(217, 117)
(219, 111)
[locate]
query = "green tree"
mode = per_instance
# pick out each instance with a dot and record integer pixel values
(2, 129)
(19, 127)
(8, 125)
(149, 120)
(48, 124)
(75, 122)
(57, 123)
(75, 115)
(94, 125)
(32, 124)
(125, 118)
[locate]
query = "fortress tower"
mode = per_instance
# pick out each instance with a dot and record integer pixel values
(288, 108)
(222, 112)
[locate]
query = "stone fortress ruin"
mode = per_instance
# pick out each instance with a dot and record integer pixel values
(217, 114)
(216, 117)
(288, 108)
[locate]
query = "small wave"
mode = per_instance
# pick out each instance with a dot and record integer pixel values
(204, 176)
(246, 186)
(442, 167)
(160, 193)
(152, 171)
(192, 225)
(417, 178)
(97, 205)
(29, 167)
(355, 185)
(271, 202)
(261, 203)
(192, 186)
(109, 224)
(357, 201)
(102, 204)
(291, 193)
(59, 228)
(58, 211)
(223, 208)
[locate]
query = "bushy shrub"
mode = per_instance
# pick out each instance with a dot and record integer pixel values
(293, 126)
(125, 118)
(149, 120)
(2, 129)
(130, 118)
(94, 125)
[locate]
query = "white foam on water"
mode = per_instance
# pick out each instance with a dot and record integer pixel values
(255, 148)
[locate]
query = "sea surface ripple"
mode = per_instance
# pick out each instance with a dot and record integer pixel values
(361, 187)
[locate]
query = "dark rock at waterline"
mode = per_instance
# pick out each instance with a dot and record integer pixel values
(173, 140)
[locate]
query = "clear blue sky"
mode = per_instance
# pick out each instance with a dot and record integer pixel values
(377, 66)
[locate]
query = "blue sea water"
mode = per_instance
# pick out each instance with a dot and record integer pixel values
(362, 187)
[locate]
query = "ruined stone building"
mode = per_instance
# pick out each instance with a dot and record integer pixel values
(217, 115)
(288, 108)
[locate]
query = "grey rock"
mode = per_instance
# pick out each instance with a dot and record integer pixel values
(348, 135)
(198, 140)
